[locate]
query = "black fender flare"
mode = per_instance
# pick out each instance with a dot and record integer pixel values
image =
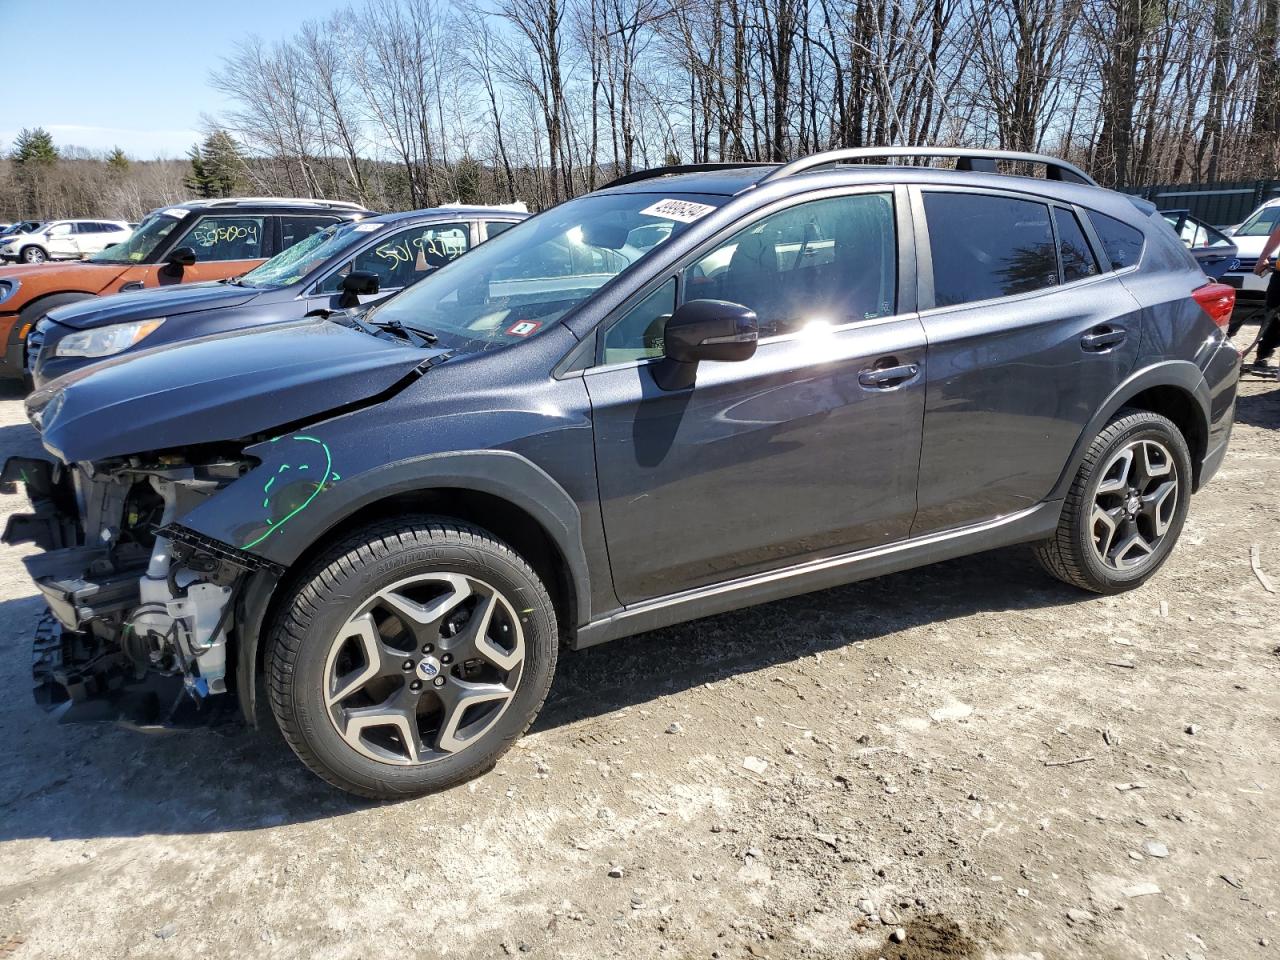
(500, 473)
(1181, 374)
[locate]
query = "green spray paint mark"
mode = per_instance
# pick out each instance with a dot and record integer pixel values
(274, 525)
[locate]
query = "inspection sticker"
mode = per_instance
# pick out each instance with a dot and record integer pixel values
(367, 227)
(523, 328)
(176, 212)
(686, 211)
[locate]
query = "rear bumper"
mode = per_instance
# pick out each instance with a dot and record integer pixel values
(1249, 286)
(1213, 459)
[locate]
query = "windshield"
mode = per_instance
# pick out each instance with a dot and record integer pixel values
(290, 266)
(521, 283)
(142, 242)
(22, 226)
(1261, 223)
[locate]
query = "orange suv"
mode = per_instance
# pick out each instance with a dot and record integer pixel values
(199, 240)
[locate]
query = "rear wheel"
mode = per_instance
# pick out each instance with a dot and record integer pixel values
(1126, 507)
(410, 657)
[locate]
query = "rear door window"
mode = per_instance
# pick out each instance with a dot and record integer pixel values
(227, 238)
(1121, 242)
(295, 228)
(494, 227)
(1078, 260)
(986, 246)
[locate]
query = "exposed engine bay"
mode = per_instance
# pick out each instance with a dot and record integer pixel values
(130, 593)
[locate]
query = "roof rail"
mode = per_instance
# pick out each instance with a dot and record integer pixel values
(966, 159)
(680, 168)
(286, 201)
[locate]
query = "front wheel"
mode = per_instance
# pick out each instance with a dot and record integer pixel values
(1126, 507)
(410, 657)
(33, 254)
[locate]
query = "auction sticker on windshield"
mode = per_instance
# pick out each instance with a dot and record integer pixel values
(523, 328)
(685, 211)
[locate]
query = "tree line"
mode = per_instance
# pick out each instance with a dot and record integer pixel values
(543, 99)
(409, 103)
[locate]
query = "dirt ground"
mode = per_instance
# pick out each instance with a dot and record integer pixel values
(996, 764)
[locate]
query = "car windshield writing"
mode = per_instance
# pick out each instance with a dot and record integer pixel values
(522, 282)
(141, 243)
(293, 264)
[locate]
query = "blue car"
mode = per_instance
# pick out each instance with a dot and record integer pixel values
(346, 265)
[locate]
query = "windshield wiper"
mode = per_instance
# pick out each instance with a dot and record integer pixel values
(425, 336)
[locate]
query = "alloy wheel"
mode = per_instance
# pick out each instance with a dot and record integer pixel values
(1134, 504)
(424, 668)
(33, 255)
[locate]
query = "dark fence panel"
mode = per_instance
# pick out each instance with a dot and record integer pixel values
(1222, 204)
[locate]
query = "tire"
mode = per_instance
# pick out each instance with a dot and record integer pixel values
(1157, 454)
(358, 630)
(33, 254)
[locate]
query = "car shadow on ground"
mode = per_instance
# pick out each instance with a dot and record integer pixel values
(1260, 409)
(67, 781)
(19, 439)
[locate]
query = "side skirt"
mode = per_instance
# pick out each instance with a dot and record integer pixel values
(1034, 523)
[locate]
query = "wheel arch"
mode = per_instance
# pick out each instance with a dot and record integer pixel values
(28, 314)
(1175, 389)
(501, 492)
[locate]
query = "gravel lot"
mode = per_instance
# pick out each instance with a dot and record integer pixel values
(973, 753)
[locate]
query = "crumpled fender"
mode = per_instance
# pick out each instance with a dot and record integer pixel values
(299, 492)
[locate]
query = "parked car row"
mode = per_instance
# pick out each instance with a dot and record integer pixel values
(692, 390)
(200, 241)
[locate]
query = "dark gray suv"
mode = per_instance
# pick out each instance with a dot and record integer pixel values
(697, 389)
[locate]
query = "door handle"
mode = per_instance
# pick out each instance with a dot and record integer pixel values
(881, 378)
(1103, 338)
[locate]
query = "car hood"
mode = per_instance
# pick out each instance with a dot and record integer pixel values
(221, 388)
(1249, 246)
(73, 275)
(152, 302)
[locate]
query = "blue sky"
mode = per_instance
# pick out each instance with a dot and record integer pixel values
(97, 73)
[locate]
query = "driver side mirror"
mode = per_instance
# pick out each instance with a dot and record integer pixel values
(182, 257)
(714, 330)
(357, 284)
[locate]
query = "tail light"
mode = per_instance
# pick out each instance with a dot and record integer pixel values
(1217, 300)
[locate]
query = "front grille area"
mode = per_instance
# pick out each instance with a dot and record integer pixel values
(35, 342)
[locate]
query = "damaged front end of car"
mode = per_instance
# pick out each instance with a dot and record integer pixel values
(130, 591)
(170, 478)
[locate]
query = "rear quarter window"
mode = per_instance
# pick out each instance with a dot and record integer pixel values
(987, 246)
(1121, 243)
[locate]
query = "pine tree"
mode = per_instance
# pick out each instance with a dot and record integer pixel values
(216, 166)
(117, 162)
(34, 147)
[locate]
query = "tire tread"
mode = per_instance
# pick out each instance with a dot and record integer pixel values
(1059, 555)
(322, 577)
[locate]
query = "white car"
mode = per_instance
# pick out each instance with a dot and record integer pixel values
(1250, 237)
(64, 240)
